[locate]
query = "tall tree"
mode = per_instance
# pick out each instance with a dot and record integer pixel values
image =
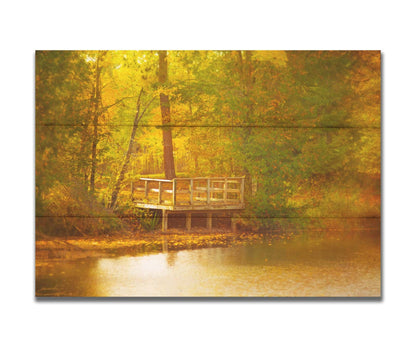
(169, 163)
(246, 72)
(61, 100)
(124, 167)
(97, 110)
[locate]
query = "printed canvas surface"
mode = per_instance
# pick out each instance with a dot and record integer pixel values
(208, 173)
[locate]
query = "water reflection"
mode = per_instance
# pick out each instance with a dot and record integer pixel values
(341, 268)
(171, 258)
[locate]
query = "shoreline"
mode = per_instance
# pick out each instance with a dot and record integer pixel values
(66, 249)
(153, 242)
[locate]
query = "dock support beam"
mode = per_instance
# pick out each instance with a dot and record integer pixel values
(164, 220)
(209, 221)
(188, 221)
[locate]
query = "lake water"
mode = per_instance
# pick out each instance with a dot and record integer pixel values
(268, 268)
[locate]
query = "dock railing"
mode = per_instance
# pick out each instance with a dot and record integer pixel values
(189, 193)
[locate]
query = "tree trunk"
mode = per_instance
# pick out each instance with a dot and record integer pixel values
(245, 68)
(96, 115)
(169, 164)
(123, 170)
(84, 154)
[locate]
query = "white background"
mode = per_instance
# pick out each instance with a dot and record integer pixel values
(381, 25)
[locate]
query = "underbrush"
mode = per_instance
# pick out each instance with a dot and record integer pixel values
(69, 210)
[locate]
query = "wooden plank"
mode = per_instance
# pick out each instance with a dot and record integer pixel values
(230, 201)
(193, 178)
(225, 190)
(146, 190)
(195, 207)
(205, 208)
(159, 198)
(216, 200)
(209, 221)
(233, 201)
(153, 206)
(182, 191)
(242, 191)
(191, 191)
(228, 190)
(196, 201)
(211, 178)
(217, 206)
(197, 198)
(155, 179)
(208, 191)
(156, 190)
(174, 192)
(164, 220)
(217, 189)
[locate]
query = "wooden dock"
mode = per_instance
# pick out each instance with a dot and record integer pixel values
(190, 195)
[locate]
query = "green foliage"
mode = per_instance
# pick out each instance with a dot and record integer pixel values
(149, 219)
(68, 210)
(303, 127)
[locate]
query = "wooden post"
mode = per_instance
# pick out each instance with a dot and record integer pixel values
(174, 192)
(146, 189)
(208, 191)
(191, 190)
(159, 198)
(233, 224)
(242, 191)
(188, 221)
(164, 220)
(209, 221)
(225, 191)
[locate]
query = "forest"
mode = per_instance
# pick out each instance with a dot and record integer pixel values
(302, 127)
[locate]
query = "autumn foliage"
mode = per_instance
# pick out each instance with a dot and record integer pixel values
(303, 127)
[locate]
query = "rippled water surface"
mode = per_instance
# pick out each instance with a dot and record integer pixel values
(269, 268)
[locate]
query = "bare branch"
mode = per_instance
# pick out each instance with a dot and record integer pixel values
(117, 102)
